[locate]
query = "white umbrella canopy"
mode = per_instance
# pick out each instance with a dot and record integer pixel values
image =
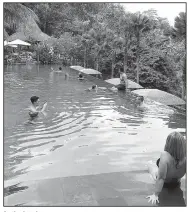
(5, 43)
(19, 42)
(90, 71)
(131, 84)
(78, 68)
(160, 96)
(13, 46)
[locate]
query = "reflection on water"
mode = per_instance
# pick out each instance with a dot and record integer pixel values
(14, 189)
(83, 133)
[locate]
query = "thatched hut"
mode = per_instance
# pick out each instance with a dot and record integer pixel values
(30, 32)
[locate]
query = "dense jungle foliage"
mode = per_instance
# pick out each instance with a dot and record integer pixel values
(106, 37)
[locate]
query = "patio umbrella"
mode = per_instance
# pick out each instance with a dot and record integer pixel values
(13, 46)
(78, 68)
(8, 44)
(19, 42)
(5, 43)
(131, 84)
(160, 96)
(90, 71)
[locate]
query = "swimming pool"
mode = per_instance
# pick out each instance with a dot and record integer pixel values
(83, 134)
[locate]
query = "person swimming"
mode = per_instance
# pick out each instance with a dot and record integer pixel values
(123, 86)
(58, 71)
(35, 109)
(80, 76)
(140, 103)
(92, 88)
(170, 167)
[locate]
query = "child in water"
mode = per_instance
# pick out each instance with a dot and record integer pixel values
(140, 103)
(35, 109)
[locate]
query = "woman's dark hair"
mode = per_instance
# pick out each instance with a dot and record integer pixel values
(60, 68)
(176, 146)
(93, 86)
(34, 99)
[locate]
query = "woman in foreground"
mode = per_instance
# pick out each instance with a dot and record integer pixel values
(171, 166)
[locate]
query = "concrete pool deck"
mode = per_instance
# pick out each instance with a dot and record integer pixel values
(109, 189)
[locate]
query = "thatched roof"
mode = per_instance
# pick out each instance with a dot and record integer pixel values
(29, 32)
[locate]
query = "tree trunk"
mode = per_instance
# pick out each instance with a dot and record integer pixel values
(85, 51)
(97, 64)
(183, 92)
(113, 64)
(45, 24)
(184, 80)
(125, 60)
(137, 59)
(71, 61)
(38, 58)
(112, 73)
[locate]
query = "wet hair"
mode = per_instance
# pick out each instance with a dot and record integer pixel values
(34, 99)
(60, 68)
(80, 75)
(94, 86)
(121, 70)
(176, 146)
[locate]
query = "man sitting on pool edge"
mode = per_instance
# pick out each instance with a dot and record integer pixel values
(123, 86)
(34, 109)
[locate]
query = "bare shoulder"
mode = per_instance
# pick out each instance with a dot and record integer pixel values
(32, 109)
(165, 157)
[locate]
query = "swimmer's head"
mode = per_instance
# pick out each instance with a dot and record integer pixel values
(139, 100)
(35, 100)
(60, 68)
(176, 146)
(94, 87)
(80, 75)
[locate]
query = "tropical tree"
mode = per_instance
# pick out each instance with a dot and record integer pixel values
(179, 33)
(140, 23)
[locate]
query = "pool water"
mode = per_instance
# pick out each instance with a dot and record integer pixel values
(82, 133)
